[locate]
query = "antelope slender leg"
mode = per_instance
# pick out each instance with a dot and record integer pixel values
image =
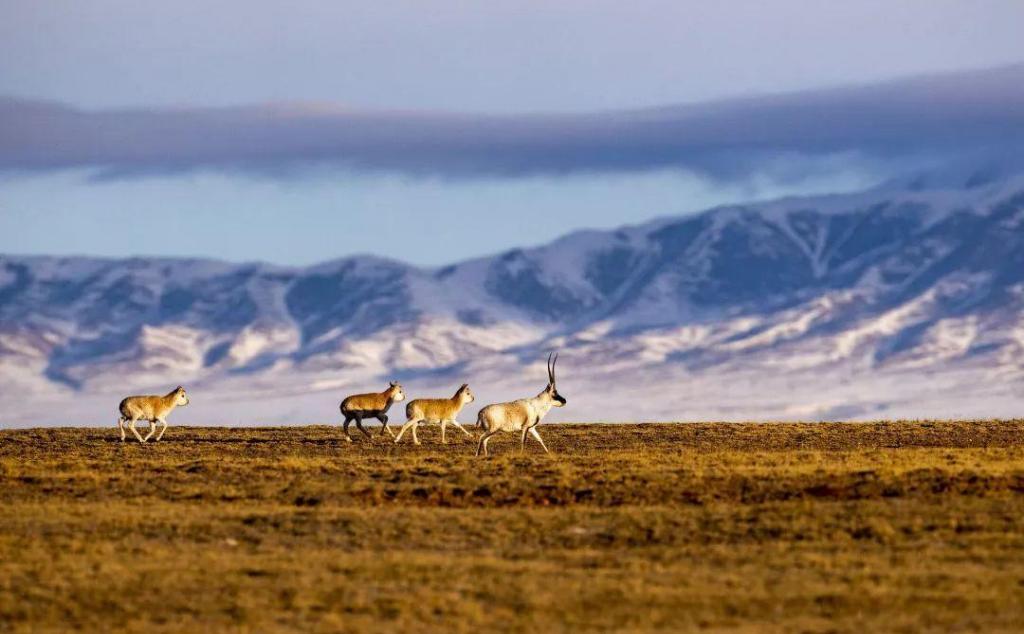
(522, 439)
(460, 427)
(163, 428)
(120, 425)
(359, 424)
(483, 443)
(348, 419)
(444, 423)
(131, 426)
(536, 434)
(152, 429)
(415, 438)
(411, 423)
(383, 418)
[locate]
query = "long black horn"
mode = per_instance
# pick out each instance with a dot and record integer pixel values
(553, 363)
(551, 371)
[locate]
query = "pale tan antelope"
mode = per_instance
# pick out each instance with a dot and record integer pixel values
(155, 409)
(436, 410)
(520, 416)
(373, 405)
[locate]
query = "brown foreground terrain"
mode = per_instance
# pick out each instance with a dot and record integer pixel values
(726, 527)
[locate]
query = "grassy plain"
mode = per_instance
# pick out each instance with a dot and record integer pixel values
(901, 527)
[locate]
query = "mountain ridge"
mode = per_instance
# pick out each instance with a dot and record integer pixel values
(903, 277)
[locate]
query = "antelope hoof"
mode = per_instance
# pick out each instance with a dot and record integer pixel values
(348, 438)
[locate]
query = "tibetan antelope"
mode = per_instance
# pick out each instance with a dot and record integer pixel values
(373, 405)
(436, 410)
(520, 416)
(155, 409)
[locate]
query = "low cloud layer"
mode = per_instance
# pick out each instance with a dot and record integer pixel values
(936, 117)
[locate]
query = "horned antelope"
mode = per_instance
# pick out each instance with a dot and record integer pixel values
(373, 405)
(155, 409)
(440, 410)
(520, 416)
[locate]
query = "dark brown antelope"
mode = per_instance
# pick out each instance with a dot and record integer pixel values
(372, 405)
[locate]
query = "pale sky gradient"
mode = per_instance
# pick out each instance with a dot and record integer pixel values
(475, 57)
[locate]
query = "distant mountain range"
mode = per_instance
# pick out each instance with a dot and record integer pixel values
(904, 300)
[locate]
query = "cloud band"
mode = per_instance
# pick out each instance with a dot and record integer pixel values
(940, 116)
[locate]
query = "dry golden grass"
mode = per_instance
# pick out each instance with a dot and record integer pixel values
(723, 527)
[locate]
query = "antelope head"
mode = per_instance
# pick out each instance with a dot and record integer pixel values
(464, 394)
(552, 390)
(396, 392)
(180, 398)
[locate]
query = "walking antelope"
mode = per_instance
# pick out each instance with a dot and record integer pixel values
(155, 409)
(431, 410)
(373, 405)
(520, 416)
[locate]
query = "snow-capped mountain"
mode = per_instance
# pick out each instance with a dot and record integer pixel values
(905, 300)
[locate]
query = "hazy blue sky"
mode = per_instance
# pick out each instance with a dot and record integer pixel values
(138, 81)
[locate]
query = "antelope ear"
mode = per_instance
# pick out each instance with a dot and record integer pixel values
(179, 389)
(465, 386)
(394, 384)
